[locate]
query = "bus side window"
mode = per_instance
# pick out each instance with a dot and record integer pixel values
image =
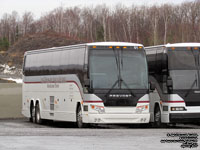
(23, 71)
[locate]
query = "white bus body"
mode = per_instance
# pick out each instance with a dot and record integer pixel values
(87, 83)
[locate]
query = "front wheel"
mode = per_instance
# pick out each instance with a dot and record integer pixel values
(157, 117)
(79, 118)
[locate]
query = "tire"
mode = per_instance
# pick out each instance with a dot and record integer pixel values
(32, 113)
(157, 118)
(31, 117)
(79, 118)
(38, 119)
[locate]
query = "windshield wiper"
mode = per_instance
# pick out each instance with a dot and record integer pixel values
(117, 63)
(112, 88)
(122, 81)
(195, 81)
(118, 69)
(122, 58)
(119, 80)
(128, 87)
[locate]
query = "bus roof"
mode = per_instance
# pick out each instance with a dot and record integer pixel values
(85, 44)
(113, 44)
(183, 45)
(176, 45)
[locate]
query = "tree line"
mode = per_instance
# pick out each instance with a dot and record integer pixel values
(149, 25)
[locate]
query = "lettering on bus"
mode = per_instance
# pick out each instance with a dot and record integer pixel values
(52, 85)
(53, 79)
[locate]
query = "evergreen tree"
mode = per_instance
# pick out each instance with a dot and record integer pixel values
(4, 44)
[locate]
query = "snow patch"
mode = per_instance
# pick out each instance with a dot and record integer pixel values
(12, 79)
(7, 70)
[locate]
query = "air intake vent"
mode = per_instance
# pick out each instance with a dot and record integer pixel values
(51, 102)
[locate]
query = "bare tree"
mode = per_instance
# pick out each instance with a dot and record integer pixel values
(27, 20)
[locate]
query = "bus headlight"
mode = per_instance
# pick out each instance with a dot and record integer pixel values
(100, 109)
(139, 109)
(178, 109)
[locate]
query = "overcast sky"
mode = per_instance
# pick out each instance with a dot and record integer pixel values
(40, 7)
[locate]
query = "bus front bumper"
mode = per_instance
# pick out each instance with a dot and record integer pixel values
(184, 117)
(116, 118)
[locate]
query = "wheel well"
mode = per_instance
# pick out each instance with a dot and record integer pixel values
(156, 105)
(32, 104)
(78, 104)
(37, 102)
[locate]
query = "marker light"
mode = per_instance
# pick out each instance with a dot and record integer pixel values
(178, 109)
(124, 47)
(140, 47)
(188, 48)
(173, 48)
(117, 47)
(92, 106)
(94, 47)
(110, 47)
(196, 48)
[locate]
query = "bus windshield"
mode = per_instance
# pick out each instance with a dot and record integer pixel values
(183, 66)
(110, 66)
(181, 60)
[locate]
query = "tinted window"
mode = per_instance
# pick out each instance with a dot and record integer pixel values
(181, 59)
(184, 79)
(107, 66)
(57, 62)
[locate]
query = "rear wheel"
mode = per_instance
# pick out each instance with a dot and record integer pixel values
(38, 119)
(32, 114)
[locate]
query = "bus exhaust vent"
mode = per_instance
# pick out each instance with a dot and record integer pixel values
(51, 102)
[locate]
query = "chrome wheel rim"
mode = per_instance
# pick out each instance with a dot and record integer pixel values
(33, 114)
(38, 115)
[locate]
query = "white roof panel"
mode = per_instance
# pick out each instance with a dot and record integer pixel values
(183, 45)
(113, 44)
(87, 44)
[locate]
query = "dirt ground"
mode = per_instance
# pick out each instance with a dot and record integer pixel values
(10, 100)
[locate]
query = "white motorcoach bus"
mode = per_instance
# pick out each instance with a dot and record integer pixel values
(98, 83)
(175, 70)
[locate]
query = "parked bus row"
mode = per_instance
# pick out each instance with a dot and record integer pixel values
(113, 83)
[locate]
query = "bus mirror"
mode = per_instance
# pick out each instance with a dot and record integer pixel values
(87, 82)
(85, 67)
(169, 82)
(152, 86)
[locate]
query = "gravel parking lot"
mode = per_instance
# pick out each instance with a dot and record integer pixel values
(21, 134)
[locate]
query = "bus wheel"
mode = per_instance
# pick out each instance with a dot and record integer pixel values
(38, 119)
(32, 119)
(157, 117)
(79, 118)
